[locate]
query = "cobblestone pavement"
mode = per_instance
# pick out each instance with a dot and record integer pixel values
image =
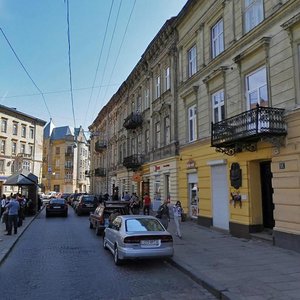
(230, 268)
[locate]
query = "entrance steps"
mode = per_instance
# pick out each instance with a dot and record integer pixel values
(264, 236)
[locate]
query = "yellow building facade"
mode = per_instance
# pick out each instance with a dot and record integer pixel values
(238, 93)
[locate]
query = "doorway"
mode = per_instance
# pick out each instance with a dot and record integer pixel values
(220, 208)
(267, 195)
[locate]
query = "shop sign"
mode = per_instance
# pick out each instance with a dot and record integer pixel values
(191, 164)
(136, 177)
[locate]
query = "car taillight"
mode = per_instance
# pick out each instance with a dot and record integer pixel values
(132, 240)
(166, 239)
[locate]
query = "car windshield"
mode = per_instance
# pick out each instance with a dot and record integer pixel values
(57, 201)
(143, 225)
(88, 199)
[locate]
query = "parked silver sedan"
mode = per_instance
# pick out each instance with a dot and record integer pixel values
(137, 236)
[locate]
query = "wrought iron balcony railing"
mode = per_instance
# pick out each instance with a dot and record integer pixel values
(133, 121)
(244, 130)
(133, 162)
(100, 172)
(100, 146)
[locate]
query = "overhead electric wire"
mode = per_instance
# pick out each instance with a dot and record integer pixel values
(119, 51)
(55, 92)
(112, 37)
(99, 58)
(40, 92)
(69, 56)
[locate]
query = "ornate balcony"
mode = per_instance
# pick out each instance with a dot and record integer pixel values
(133, 162)
(100, 146)
(243, 131)
(100, 172)
(133, 121)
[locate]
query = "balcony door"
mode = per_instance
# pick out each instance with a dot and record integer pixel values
(257, 93)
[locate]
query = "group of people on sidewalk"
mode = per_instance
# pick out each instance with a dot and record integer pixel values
(163, 212)
(13, 211)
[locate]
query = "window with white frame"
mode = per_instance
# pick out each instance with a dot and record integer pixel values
(124, 150)
(253, 14)
(157, 87)
(3, 125)
(31, 133)
(139, 143)
(146, 98)
(147, 141)
(192, 123)
(23, 131)
(192, 61)
(133, 146)
(120, 154)
(257, 88)
(167, 131)
(30, 150)
(167, 79)
(22, 148)
(157, 135)
(68, 164)
(15, 129)
(2, 162)
(57, 163)
(139, 103)
(14, 148)
(218, 107)
(68, 175)
(2, 146)
(26, 165)
(132, 105)
(217, 38)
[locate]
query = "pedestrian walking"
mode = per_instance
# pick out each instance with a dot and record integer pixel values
(177, 211)
(13, 211)
(163, 214)
(134, 204)
(126, 197)
(2, 204)
(147, 204)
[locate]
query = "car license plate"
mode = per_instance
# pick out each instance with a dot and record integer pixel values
(150, 243)
(89, 205)
(56, 206)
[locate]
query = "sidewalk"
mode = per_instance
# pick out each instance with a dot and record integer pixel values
(233, 268)
(8, 242)
(229, 267)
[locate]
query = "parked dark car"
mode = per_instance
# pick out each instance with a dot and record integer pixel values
(86, 204)
(57, 206)
(65, 196)
(100, 218)
(137, 237)
(74, 198)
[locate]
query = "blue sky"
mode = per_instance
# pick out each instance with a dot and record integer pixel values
(37, 31)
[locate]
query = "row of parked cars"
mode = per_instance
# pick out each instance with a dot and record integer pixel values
(125, 235)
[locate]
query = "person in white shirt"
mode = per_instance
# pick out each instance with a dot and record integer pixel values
(3, 203)
(177, 211)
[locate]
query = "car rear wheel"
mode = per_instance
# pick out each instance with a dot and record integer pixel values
(117, 260)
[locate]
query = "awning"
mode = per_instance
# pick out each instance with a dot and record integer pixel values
(22, 178)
